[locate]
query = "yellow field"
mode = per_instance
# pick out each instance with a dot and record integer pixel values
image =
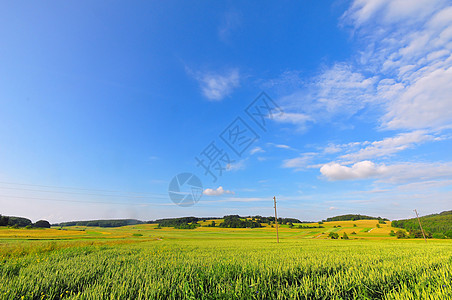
(143, 262)
(365, 229)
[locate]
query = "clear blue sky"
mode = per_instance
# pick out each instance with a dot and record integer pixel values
(102, 103)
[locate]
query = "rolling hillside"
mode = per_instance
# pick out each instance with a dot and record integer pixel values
(439, 225)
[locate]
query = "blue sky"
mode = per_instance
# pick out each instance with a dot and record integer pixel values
(103, 103)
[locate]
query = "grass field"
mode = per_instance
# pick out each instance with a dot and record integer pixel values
(141, 262)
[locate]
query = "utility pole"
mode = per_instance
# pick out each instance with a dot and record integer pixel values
(276, 221)
(419, 220)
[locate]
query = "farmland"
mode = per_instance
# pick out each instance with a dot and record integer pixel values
(142, 262)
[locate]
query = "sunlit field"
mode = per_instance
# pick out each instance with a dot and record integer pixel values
(142, 262)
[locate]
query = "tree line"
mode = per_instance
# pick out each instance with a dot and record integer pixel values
(351, 217)
(17, 222)
(102, 223)
(435, 225)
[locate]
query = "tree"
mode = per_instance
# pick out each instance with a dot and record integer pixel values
(345, 236)
(42, 224)
(333, 235)
(4, 220)
(392, 233)
(401, 234)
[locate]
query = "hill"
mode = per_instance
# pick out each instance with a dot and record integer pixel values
(351, 217)
(438, 225)
(12, 221)
(102, 223)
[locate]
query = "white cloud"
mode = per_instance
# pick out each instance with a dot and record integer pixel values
(401, 70)
(337, 92)
(360, 170)
(283, 146)
(256, 150)
(232, 20)
(396, 173)
(300, 162)
(389, 146)
(217, 192)
(412, 54)
(332, 148)
(293, 118)
(389, 11)
(216, 86)
(240, 165)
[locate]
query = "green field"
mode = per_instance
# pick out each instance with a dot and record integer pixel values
(141, 262)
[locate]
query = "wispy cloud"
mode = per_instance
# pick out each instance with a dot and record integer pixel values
(402, 70)
(361, 170)
(217, 192)
(231, 21)
(389, 146)
(257, 150)
(240, 165)
(300, 162)
(411, 54)
(216, 86)
(395, 173)
(339, 91)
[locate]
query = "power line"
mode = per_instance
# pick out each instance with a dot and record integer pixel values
(73, 188)
(276, 221)
(89, 194)
(79, 201)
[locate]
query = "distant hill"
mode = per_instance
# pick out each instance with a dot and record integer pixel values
(231, 221)
(12, 221)
(351, 217)
(102, 223)
(22, 222)
(439, 225)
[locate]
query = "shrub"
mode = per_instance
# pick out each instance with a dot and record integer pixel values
(439, 235)
(42, 224)
(333, 235)
(392, 233)
(345, 236)
(401, 234)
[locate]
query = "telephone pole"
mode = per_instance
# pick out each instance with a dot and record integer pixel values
(276, 221)
(419, 220)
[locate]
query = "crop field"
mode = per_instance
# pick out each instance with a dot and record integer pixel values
(142, 262)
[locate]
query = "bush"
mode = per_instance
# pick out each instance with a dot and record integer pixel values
(345, 236)
(400, 234)
(378, 226)
(333, 235)
(439, 235)
(42, 224)
(392, 233)
(4, 220)
(353, 232)
(354, 225)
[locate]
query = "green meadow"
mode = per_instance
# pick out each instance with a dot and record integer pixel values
(143, 262)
